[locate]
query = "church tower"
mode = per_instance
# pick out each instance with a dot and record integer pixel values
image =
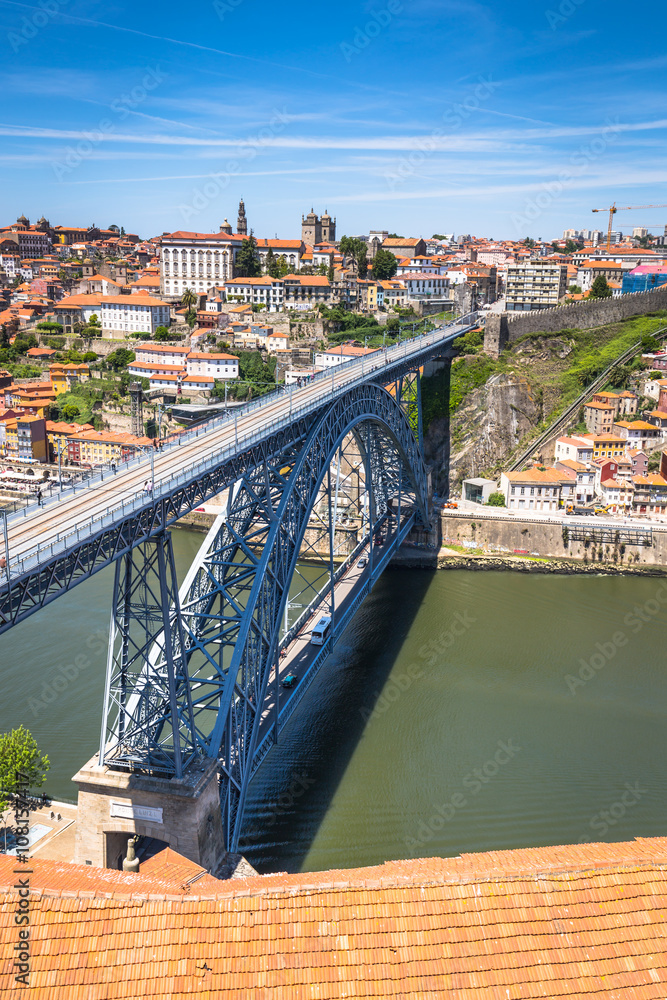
(242, 222)
(311, 229)
(328, 226)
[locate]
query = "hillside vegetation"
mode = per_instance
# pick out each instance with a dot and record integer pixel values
(534, 380)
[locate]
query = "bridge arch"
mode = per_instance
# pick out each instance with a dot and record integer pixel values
(203, 686)
(393, 467)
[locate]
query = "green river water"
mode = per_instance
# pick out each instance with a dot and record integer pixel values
(460, 712)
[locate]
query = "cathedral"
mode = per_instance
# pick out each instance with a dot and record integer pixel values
(315, 230)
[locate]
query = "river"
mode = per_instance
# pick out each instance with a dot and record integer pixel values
(460, 712)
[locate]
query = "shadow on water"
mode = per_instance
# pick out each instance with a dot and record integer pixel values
(294, 787)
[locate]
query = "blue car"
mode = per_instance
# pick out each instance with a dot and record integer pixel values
(290, 681)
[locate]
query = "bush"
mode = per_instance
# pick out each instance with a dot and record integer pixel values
(496, 499)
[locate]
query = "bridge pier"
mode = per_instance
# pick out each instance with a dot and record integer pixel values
(115, 805)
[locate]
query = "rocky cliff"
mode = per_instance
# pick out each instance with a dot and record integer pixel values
(485, 428)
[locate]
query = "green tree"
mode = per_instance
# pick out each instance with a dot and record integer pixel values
(271, 264)
(93, 327)
(385, 265)
(282, 266)
(247, 263)
(649, 343)
(49, 326)
(89, 356)
(70, 411)
(188, 298)
(352, 247)
(496, 499)
(19, 753)
(191, 318)
(600, 288)
(162, 333)
(119, 359)
(571, 247)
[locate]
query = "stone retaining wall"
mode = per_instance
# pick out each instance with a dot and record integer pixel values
(506, 537)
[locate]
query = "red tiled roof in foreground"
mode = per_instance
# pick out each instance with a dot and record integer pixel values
(588, 920)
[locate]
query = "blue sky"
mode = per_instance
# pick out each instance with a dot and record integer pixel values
(502, 120)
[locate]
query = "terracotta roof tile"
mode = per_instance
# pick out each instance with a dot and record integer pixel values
(588, 920)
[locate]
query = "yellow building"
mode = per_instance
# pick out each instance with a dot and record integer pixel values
(33, 404)
(90, 447)
(63, 377)
(58, 434)
(609, 446)
(12, 438)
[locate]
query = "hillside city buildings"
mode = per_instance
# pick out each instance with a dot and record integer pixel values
(187, 305)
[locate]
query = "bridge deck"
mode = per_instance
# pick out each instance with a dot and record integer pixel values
(38, 534)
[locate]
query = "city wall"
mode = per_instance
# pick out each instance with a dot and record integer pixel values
(504, 328)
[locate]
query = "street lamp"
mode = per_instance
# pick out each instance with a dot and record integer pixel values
(60, 468)
(6, 537)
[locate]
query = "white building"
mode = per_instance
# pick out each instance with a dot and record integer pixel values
(133, 313)
(277, 341)
(424, 285)
(339, 355)
(391, 293)
(216, 366)
(534, 489)
(291, 250)
(576, 449)
(267, 291)
(162, 354)
(202, 383)
(199, 261)
(534, 285)
(148, 369)
(420, 265)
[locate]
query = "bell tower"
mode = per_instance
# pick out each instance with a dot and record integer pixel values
(242, 222)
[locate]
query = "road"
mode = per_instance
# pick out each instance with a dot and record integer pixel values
(596, 520)
(298, 655)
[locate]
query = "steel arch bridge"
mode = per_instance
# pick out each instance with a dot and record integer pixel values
(321, 486)
(202, 679)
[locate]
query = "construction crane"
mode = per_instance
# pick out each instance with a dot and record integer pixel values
(623, 208)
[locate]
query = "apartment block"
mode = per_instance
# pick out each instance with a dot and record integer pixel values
(534, 285)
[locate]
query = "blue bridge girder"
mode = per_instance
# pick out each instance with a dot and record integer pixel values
(214, 667)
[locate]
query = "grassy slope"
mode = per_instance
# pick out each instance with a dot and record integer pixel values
(556, 380)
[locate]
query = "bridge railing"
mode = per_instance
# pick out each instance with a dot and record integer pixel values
(352, 371)
(34, 556)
